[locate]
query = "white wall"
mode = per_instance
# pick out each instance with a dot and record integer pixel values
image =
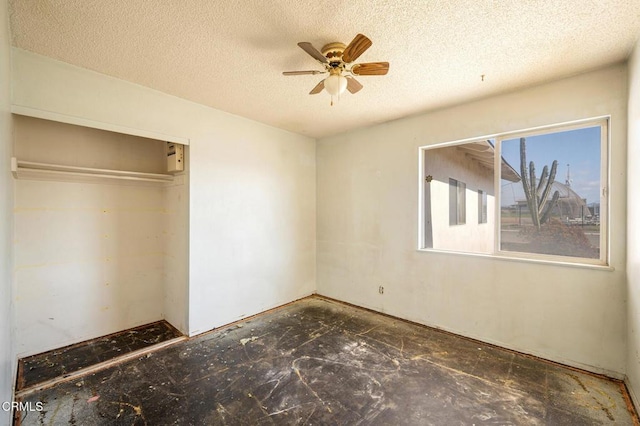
(633, 224)
(251, 187)
(7, 349)
(368, 228)
(176, 252)
(88, 261)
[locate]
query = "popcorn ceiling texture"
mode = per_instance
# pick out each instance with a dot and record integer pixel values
(229, 54)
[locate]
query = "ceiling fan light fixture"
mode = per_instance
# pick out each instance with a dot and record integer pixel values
(335, 84)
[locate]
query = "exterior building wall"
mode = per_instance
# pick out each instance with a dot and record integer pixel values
(445, 163)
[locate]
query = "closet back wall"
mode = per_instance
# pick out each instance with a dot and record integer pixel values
(89, 257)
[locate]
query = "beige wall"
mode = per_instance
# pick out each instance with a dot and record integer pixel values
(633, 243)
(252, 200)
(368, 229)
(7, 347)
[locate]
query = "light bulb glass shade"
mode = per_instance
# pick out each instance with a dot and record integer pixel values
(335, 84)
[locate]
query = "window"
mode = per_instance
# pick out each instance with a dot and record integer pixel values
(457, 202)
(482, 206)
(541, 194)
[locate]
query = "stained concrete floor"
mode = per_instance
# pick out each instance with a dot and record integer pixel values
(317, 362)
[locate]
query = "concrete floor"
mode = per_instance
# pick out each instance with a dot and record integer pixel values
(317, 362)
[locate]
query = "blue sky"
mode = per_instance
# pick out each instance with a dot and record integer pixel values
(580, 148)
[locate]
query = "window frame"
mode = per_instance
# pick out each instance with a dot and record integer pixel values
(604, 261)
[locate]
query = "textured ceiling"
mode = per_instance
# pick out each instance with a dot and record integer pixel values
(229, 54)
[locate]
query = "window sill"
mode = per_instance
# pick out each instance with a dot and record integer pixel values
(599, 267)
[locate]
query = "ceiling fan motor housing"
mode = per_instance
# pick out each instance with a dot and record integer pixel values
(333, 53)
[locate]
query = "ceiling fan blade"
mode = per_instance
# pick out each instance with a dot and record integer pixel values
(353, 85)
(308, 47)
(371, 68)
(357, 47)
(313, 72)
(318, 88)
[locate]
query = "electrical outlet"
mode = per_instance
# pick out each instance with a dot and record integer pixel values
(381, 290)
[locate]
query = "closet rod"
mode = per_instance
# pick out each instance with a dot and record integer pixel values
(26, 169)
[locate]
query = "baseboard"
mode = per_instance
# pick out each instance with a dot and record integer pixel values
(635, 402)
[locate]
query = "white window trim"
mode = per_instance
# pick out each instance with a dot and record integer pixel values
(602, 263)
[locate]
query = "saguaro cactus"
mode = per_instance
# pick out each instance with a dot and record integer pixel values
(537, 195)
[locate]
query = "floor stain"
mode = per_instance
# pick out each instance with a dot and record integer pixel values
(322, 362)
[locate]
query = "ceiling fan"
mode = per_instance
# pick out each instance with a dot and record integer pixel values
(337, 60)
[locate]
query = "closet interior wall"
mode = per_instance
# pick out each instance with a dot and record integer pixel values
(95, 258)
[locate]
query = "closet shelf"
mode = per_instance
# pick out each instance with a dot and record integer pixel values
(59, 172)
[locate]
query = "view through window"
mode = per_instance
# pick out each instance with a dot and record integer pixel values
(547, 201)
(555, 208)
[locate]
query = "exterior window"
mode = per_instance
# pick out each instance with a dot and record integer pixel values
(482, 206)
(457, 202)
(554, 209)
(543, 194)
